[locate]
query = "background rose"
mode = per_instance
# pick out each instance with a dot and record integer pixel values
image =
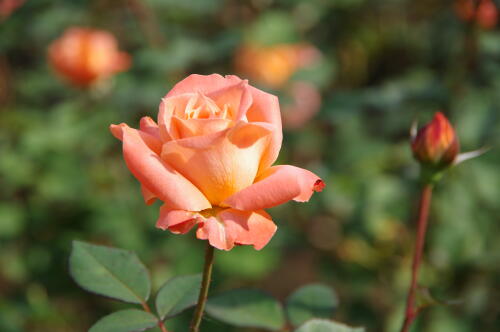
(209, 160)
(83, 56)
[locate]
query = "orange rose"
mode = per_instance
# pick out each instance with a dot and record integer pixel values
(274, 65)
(84, 56)
(209, 160)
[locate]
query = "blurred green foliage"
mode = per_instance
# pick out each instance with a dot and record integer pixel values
(62, 176)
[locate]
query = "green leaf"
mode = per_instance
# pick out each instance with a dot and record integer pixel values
(321, 325)
(131, 320)
(311, 301)
(247, 307)
(112, 272)
(178, 294)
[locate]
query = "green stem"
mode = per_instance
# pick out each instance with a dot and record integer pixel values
(205, 284)
(425, 202)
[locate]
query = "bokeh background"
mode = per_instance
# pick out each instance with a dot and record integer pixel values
(351, 76)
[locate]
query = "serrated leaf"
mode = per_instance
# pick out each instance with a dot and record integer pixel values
(247, 308)
(112, 272)
(131, 320)
(311, 301)
(322, 325)
(178, 294)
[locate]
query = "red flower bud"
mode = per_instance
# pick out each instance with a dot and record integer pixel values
(436, 144)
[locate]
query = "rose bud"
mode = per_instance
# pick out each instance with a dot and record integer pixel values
(436, 144)
(483, 12)
(209, 159)
(84, 56)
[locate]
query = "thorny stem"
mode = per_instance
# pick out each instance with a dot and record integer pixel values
(205, 283)
(146, 308)
(423, 213)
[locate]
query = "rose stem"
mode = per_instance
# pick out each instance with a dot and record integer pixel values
(205, 283)
(146, 308)
(423, 213)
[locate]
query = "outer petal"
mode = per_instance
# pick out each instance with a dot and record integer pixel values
(158, 177)
(222, 163)
(149, 126)
(149, 197)
(177, 221)
(265, 108)
(232, 227)
(203, 83)
(277, 185)
(151, 141)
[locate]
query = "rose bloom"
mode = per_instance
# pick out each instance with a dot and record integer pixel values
(84, 56)
(274, 65)
(209, 159)
(485, 14)
(436, 144)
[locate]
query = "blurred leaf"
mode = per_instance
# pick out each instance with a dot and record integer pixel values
(320, 325)
(131, 320)
(311, 301)
(248, 308)
(112, 272)
(273, 27)
(178, 294)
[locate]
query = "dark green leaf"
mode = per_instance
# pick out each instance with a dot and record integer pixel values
(321, 325)
(112, 272)
(247, 307)
(311, 301)
(131, 320)
(178, 294)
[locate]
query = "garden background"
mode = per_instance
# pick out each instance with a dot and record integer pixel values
(376, 65)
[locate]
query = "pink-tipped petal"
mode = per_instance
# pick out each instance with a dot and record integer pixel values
(249, 227)
(216, 233)
(149, 197)
(231, 227)
(149, 126)
(202, 83)
(160, 178)
(265, 108)
(151, 141)
(219, 164)
(275, 186)
(176, 221)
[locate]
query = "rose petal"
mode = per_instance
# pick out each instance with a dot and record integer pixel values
(149, 126)
(176, 221)
(219, 164)
(236, 99)
(202, 83)
(199, 127)
(149, 197)
(158, 177)
(277, 185)
(232, 227)
(265, 108)
(151, 141)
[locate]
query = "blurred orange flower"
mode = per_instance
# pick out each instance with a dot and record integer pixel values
(436, 144)
(273, 65)
(209, 159)
(483, 12)
(84, 56)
